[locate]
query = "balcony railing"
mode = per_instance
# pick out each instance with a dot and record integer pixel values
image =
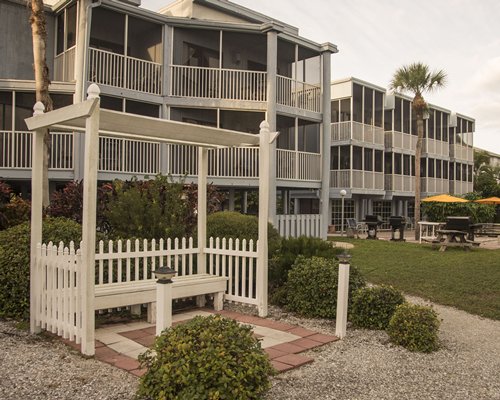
(460, 187)
(298, 165)
(340, 178)
(216, 83)
(400, 140)
(348, 130)
(112, 69)
(16, 150)
(436, 147)
(434, 185)
(64, 65)
(400, 183)
(292, 93)
(461, 152)
(355, 179)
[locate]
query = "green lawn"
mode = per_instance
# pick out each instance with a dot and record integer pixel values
(469, 280)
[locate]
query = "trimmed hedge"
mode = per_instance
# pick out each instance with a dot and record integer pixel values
(415, 327)
(312, 287)
(373, 307)
(15, 262)
(205, 358)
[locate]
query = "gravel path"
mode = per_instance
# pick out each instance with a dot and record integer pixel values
(362, 366)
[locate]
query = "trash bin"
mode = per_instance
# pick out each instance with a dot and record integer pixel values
(372, 222)
(397, 224)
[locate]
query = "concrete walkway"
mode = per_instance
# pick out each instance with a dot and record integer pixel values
(121, 344)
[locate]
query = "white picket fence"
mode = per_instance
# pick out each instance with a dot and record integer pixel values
(236, 260)
(299, 225)
(58, 291)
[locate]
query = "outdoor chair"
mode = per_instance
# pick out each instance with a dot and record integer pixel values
(354, 228)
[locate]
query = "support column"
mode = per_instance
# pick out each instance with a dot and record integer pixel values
(36, 211)
(89, 223)
(326, 138)
(342, 296)
(231, 199)
(202, 208)
(272, 67)
(167, 59)
(81, 46)
(164, 306)
(244, 202)
(262, 249)
(286, 199)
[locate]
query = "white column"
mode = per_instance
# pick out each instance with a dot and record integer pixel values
(89, 223)
(36, 210)
(244, 199)
(202, 208)
(262, 250)
(81, 49)
(164, 306)
(342, 297)
(272, 67)
(231, 199)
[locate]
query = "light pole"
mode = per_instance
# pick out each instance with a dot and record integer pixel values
(342, 194)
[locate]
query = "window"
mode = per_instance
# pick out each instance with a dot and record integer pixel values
(379, 108)
(445, 127)
(388, 165)
(430, 125)
(464, 172)
(388, 120)
(383, 208)
(357, 157)
(112, 103)
(439, 116)
(335, 110)
(423, 167)
(430, 168)
(379, 157)
(458, 170)
(357, 103)
(368, 111)
(406, 165)
(406, 116)
(140, 108)
(243, 121)
(286, 128)
(398, 164)
(349, 212)
(451, 169)
(334, 159)
(445, 169)
(469, 173)
(412, 165)
(345, 110)
(345, 157)
(368, 160)
(438, 169)
(5, 111)
(308, 136)
(397, 115)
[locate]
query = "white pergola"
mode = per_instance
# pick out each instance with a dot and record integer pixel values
(89, 118)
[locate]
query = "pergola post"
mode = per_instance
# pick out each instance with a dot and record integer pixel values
(36, 210)
(202, 215)
(91, 155)
(262, 245)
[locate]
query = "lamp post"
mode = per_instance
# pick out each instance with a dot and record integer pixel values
(163, 298)
(342, 195)
(342, 294)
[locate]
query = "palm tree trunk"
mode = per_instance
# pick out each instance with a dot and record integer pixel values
(418, 155)
(39, 34)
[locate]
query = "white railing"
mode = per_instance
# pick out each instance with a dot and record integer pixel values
(62, 150)
(64, 65)
(299, 225)
(243, 85)
(340, 178)
(128, 156)
(298, 165)
(367, 133)
(240, 162)
(461, 152)
(237, 260)
(399, 183)
(434, 185)
(216, 83)
(57, 290)
(15, 150)
(112, 69)
(357, 179)
(341, 131)
(292, 93)
(400, 140)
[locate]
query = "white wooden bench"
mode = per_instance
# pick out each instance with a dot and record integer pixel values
(135, 293)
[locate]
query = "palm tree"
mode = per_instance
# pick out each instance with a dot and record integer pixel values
(417, 79)
(39, 35)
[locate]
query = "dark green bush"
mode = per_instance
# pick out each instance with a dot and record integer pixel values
(281, 262)
(373, 307)
(414, 327)
(205, 358)
(230, 224)
(312, 286)
(15, 261)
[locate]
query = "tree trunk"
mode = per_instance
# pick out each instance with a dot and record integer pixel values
(418, 154)
(39, 34)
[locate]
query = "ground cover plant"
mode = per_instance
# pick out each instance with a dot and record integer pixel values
(207, 358)
(468, 280)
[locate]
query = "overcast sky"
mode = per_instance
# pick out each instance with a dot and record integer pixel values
(375, 37)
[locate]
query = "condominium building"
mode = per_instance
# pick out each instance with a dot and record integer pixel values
(216, 63)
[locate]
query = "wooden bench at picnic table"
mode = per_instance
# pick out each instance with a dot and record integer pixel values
(488, 229)
(453, 238)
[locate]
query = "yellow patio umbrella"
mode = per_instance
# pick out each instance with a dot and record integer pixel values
(489, 200)
(445, 198)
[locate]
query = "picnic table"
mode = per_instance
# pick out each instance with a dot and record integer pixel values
(453, 238)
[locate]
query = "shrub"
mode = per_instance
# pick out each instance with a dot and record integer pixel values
(15, 261)
(290, 249)
(18, 210)
(205, 358)
(373, 307)
(230, 224)
(312, 286)
(414, 327)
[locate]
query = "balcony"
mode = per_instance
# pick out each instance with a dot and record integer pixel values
(400, 183)
(117, 70)
(400, 141)
(436, 147)
(461, 152)
(350, 130)
(118, 156)
(460, 187)
(434, 185)
(64, 65)
(354, 179)
(297, 94)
